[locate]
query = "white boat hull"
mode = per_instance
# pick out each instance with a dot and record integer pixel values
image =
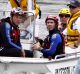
(15, 65)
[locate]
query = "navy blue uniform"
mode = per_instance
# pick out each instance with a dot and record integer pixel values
(9, 39)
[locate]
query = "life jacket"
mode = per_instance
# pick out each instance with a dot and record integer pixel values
(46, 42)
(37, 9)
(14, 33)
(72, 35)
(60, 49)
(23, 4)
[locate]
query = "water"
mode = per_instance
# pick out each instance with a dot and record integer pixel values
(47, 7)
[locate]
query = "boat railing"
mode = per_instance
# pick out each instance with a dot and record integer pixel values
(68, 55)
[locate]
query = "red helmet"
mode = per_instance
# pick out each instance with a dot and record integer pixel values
(51, 17)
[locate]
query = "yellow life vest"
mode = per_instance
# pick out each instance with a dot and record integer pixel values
(72, 35)
(37, 9)
(23, 4)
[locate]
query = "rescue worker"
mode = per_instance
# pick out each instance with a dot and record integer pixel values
(19, 3)
(53, 43)
(73, 29)
(64, 15)
(23, 4)
(10, 34)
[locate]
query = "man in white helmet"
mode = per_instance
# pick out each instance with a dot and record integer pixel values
(10, 34)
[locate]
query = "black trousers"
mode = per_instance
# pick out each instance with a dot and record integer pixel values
(28, 53)
(10, 52)
(15, 53)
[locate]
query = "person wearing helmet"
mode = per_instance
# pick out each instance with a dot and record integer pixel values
(64, 15)
(73, 27)
(10, 34)
(23, 4)
(53, 43)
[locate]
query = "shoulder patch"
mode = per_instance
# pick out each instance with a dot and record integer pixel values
(54, 35)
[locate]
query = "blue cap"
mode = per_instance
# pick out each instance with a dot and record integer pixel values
(75, 3)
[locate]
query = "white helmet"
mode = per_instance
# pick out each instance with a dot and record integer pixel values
(17, 11)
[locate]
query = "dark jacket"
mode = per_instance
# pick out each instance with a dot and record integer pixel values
(9, 37)
(53, 44)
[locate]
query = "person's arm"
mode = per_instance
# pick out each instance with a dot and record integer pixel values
(56, 39)
(6, 29)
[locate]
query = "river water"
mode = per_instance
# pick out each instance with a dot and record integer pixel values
(47, 7)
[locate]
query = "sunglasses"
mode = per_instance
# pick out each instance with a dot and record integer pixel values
(64, 15)
(72, 7)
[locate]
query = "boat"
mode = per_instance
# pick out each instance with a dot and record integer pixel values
(20, 65)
